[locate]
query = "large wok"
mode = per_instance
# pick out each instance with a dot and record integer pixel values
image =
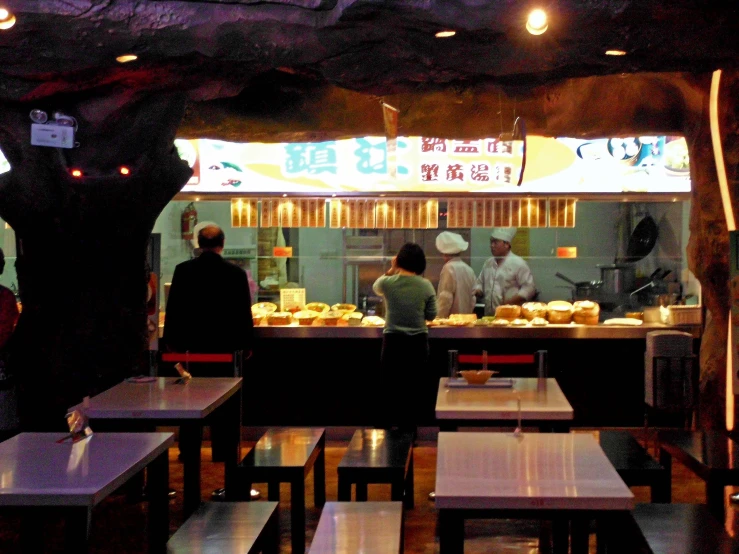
(642, 240)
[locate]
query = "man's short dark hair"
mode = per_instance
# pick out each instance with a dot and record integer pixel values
(210, 237)
(411, 258)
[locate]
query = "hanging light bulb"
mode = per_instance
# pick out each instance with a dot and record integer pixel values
(537, 23)
(7, 19)
(123, 170)
(75, 173)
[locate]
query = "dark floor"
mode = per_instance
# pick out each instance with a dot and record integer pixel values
(118, 524)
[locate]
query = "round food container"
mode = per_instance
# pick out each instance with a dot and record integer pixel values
(305, 317)
(264, 307)
(343, 308)
(317, 307)
(279, 318)
(530, 310)
(331, 317)
(559, 311)
(508, 311)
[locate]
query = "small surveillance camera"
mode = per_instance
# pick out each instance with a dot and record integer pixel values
(39, 116)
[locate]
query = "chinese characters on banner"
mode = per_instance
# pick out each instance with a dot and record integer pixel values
(484, 161)
(368, 213)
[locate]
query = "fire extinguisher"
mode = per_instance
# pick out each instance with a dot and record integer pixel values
(188, 221)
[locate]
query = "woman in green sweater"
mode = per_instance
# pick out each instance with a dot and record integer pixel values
(410, 301)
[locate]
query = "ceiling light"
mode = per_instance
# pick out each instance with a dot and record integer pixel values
(615, 53)
(76, 173)
(445, 34)
(537, 24)
(125, 58)
(123, 170)
(7, 19)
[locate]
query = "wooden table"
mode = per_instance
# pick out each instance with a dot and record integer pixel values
(542, 404)
(203, 400)
(711, 455)
(548, 476)
(39, 473)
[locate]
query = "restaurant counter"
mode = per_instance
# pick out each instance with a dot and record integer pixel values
(329, 376)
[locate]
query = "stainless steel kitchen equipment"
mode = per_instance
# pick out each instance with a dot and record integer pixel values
(617, 278)
(583, 290)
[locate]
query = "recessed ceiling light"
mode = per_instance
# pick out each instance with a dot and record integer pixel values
(445, 34)
(615, 53)
(537, 24)
(125, 58)
(7, 19)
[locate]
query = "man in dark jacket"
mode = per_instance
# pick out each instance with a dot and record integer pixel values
(209, 305)
(209, 310)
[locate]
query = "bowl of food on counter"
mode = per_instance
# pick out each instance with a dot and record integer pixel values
(330, 318)
(279, 318)
(352, 319)
(462, 320)
(264, 307)
(530, 310)
(373, 321)
(305, 317)
(508, 311)
(319, 307)
(586, 312)
(559, 311)
(477, 376)
(343, 308)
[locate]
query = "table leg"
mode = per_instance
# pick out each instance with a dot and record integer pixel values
(232, 448)
(32, 524)
(191, 440)
(560, 535)
(410, 493)
(157, 489)
(451, 532)
(77, 529)
(297, 514)
(319, 474)
(579, 530)
(361, 487)
(665, 460)
(715, 497)
(344, 490)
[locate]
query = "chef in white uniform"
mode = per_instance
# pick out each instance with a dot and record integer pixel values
(457, 280)
(505, 278)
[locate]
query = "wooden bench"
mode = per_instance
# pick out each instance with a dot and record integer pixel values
(244, 527)
(711, 455)
(378, 456)
(287, 455)
(634, 464)
(679, 529)
(348, 527)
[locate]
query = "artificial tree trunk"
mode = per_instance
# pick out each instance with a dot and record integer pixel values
(82, 244)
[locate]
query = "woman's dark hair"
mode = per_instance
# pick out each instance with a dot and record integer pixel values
(411, 258)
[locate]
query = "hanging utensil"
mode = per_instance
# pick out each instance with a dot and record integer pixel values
(641, 241)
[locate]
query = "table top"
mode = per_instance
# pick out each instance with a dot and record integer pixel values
(489, 403)
(536, 471)
(163, 398)
(37, 470)
(712, 449)
(345, 528)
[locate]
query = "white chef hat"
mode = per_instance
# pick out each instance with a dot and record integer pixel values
(503, 233)
(450, 243)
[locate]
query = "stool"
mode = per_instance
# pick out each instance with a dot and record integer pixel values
(375, 527)
(680, 529)
(248, 527)
(634, 464)
(287, 455)
(378, 456)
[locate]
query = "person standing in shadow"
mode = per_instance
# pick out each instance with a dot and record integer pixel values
(209, 311)
(410, 301)
(8, 319)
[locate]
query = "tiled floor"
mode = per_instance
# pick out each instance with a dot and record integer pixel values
(118, 526)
